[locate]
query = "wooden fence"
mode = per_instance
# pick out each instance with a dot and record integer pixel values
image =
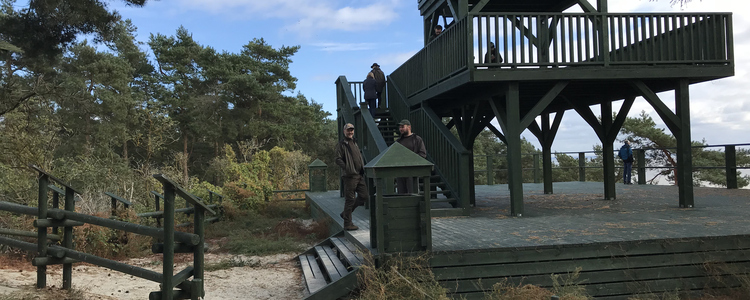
(171, 241)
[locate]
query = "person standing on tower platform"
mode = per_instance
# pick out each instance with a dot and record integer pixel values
(413, 142)
(626, 154)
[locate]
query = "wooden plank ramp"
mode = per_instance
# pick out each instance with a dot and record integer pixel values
(330, 268)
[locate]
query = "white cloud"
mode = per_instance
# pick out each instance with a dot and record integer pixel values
(334, 47)
(304, 16)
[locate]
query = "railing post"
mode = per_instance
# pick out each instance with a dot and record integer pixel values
(168, 240)
(536, 167)
(730, 154)
(199, 228)
(490, 173)
(581, 166)
(158, 218)
(70, 205)
(41, 271)
(640, 156)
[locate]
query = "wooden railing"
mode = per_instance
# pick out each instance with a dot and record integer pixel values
(366, 132)
(158, 214)
(566, 39)
(171, 241)
(538, 40)
(444, 150)
(446, 55)
(486, 164)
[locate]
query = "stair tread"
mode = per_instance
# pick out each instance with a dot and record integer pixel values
(331, 263)
(350, 252)
(449, 200)
(313, 275)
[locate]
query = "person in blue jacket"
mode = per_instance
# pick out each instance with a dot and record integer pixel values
(626, 154)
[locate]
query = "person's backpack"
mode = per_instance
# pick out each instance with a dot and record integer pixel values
(623, 154)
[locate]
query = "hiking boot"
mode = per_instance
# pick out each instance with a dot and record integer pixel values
(351, 227)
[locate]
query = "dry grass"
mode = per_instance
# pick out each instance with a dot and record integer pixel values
(400, 277)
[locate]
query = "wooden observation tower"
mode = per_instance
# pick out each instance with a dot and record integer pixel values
(552, 63)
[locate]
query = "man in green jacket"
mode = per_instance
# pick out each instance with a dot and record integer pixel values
(352, 166)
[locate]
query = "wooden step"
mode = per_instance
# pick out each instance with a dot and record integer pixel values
(446, 200)
(331, 263)
(313, 275)
(349, 251)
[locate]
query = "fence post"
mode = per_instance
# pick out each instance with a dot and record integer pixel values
(70, 205)
(490, 173)
(730, 153)
(167, 287)
(41, 271)
(536, 167)
(641, 158)
(198, 258)
(581, 166)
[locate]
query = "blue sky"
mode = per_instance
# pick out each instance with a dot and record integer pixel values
(345, 37)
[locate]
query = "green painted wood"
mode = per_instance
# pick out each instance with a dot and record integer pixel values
(640, 156)
(331, 264)
(351, 253)
(599, 277)
(41, 271)
(512, 122)
(525, 269)
(70, 205)
(312, 273)
(684, 145)
(730, 160)
(597, 250)
(610, 192)
(336, 289)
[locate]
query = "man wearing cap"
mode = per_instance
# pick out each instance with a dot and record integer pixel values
(352, 166)
(379, 83)
(414, 143)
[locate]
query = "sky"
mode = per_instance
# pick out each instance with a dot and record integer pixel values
(344, 37)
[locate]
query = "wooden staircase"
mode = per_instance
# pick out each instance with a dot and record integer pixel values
(388, 128)
(330, 268)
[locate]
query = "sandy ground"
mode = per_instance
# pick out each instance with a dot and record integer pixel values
(266, 277)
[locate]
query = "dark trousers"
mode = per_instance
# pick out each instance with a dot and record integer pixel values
(380, 100)
(405, 185)
(626, 173)
(371, 106)
(355, 184)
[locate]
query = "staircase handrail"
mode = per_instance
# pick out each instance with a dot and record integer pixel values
(443, 148)
(368, 135)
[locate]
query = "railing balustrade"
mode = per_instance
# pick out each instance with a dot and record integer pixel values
(540, 40)
(487, 164)
(171, 241)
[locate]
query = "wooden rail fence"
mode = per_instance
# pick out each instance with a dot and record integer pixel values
(171, 241)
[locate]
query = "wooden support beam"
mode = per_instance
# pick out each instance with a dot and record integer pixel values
(669, 118)
(497, 133)
(543, 103)
(608, 157)
(621, 116)
(588, 116)
(586, 6)
(513, 135)
(479, 6)
(684, 144)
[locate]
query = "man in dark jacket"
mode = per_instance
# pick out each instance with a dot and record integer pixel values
(352, 166)
(379, 83)
(626, 154)
(414, 143)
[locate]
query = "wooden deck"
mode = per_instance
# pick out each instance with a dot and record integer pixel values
(624, 246)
